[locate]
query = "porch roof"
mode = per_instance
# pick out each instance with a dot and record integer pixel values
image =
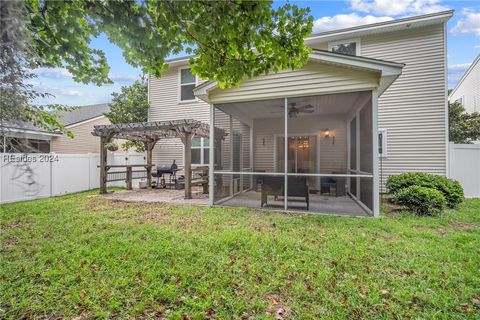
(155, 130)
(387, 71)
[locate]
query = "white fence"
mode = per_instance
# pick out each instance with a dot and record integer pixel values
(465, 167)
(36, 175)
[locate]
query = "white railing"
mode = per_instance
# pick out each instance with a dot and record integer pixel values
(37, 175)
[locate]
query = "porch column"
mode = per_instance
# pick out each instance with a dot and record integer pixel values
(211, 164)
(103, 165)
(376, 182)
(285, 166)
(187, 143)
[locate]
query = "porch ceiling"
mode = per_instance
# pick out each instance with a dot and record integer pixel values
(330, 104)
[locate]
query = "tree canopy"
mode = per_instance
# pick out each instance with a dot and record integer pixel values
(463, 127)
(130, 105)
(229, 40)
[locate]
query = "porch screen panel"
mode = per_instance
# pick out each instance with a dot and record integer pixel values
(353, 155)
(366, 155)
(324, 158)
(247, 176)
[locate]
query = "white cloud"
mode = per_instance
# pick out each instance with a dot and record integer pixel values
(396, 8)
(72, 93)
(122, 77)
(455, 73)
(62, 73)
(57, 73)
(459, 66)
(468, 23)
(341, 21)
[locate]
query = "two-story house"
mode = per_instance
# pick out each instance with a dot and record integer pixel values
(371, 102)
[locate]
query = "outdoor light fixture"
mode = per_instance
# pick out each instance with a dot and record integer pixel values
(327, 134)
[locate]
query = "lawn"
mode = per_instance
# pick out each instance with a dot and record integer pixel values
(81, 256)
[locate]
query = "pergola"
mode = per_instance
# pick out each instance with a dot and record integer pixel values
(150, 133)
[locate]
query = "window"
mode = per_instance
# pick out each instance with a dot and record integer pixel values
(382, 142)
(350, 47)
(459, 100)
(25, 145)
(200, 150)
(187, 84)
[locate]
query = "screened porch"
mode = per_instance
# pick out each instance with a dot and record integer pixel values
(312, 154)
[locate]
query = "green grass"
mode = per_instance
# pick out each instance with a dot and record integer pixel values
(83, 256)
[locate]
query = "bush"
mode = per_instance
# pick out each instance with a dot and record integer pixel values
(451, 189)
(421, 200)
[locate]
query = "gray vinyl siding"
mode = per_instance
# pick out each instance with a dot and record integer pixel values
(313, 79)
(413, 109)
(83, 141)
(165, 105)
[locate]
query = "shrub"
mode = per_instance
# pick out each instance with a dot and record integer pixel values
(421, 200)
(451, 189)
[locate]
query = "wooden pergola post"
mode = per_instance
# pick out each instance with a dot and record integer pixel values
(187, 144)
(103, 165)
(149, 147)
(129, 178)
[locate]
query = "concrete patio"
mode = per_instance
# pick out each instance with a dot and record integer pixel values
(160, 195)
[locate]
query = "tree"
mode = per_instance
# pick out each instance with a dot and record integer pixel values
(130, 105)
(16, 90)
(230, 40)
(463, 127)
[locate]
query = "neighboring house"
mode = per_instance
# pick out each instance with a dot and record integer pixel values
(24, 137)
(370, 103)
(467, 90)
(80, 122)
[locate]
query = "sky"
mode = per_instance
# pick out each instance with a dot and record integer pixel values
(463, 43)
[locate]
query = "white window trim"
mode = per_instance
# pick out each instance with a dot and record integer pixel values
(384, 133)
(356, 40)
(202, 148)
(180, 86)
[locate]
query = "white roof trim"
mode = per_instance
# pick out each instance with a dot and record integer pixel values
(386, 26)
(31, 132)
(465, 75)
(389, 71)
(84, 121)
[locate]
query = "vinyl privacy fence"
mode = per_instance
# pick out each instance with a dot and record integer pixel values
(35, 175)
(464, 162)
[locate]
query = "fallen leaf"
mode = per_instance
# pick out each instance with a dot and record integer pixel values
(465, 307)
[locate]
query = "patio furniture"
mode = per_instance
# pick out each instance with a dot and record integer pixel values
(272, 185)
(200, 177)
(329, 183)
(162, 171)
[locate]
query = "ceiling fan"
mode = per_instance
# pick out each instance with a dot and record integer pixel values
(293, 110)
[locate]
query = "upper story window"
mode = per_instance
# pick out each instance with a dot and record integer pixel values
(187, 83)
(351, 47)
